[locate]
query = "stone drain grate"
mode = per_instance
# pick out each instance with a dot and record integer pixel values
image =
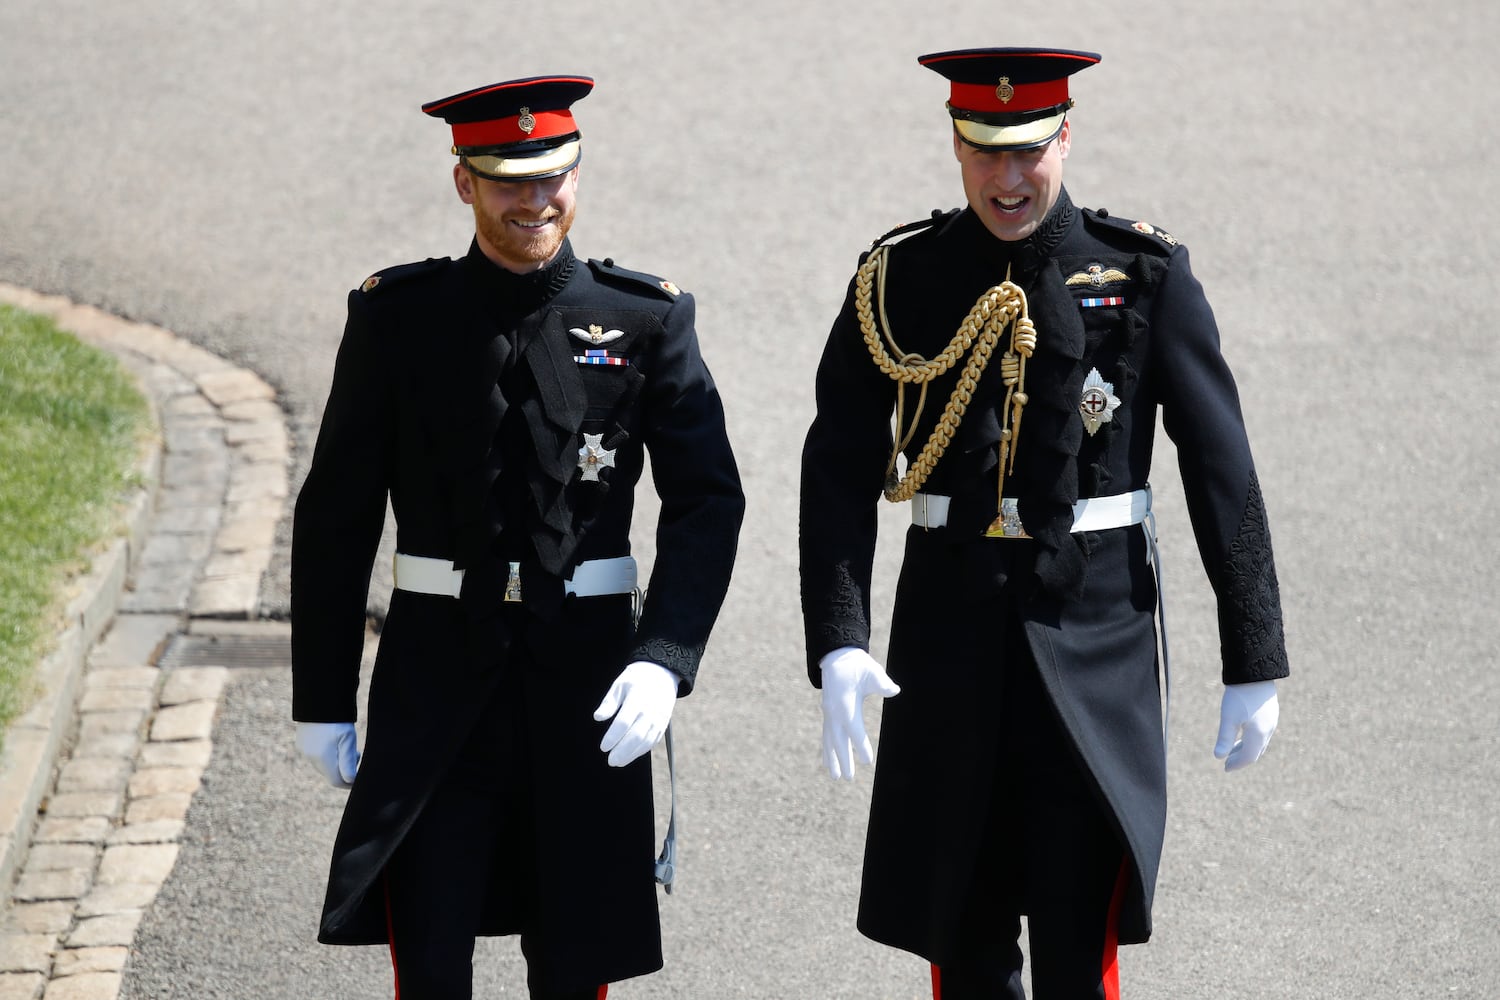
(232, 651)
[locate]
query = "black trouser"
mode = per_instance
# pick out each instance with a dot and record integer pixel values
(1055, 857)
(435, 883)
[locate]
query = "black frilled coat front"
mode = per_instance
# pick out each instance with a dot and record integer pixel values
(462, 393)
(1108, 296)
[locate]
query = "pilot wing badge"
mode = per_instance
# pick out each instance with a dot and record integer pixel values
(596, 334)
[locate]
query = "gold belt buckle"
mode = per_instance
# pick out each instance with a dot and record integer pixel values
(1008, 523)
(513, 585)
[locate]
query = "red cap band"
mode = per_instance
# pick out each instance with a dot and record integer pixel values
(985, 97)
(505, 131)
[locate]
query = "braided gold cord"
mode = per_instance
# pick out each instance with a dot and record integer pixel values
(999, 307)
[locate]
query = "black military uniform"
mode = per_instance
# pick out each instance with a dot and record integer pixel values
(507, 417)
(1023, 759)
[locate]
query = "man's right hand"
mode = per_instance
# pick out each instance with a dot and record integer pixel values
(333, 748)
(850, 675)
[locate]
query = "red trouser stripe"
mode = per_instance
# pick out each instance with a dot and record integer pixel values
(603, 991)
(1110, 969)
(390, 934)
(1110, 973)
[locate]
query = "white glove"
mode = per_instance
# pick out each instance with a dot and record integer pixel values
(1247, 718)
(850, 675)
(333, 748)
(641, 701)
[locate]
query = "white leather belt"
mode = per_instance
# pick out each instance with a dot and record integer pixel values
(593, 578)
(930, 510)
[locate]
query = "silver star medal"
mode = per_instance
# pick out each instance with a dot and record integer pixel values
(593, 456)
(1098, 403)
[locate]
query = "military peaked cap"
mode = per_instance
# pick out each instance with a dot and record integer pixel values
(517, 129)
(1009, 98)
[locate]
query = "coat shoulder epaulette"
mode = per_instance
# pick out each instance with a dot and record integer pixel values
(614, 273)
(937, 218)
(382, 281)
(1143, 232)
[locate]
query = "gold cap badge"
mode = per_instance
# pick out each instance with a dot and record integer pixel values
(527, 122)
(1005, 91)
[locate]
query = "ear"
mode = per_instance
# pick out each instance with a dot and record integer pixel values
(958, 146)
(463, 183)
(1065, 139)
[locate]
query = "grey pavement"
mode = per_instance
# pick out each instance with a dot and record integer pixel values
(228, 171)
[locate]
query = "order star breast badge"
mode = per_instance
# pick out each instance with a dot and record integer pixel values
(1098, 403)
(593, 456)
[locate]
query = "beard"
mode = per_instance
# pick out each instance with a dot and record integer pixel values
(517, 247)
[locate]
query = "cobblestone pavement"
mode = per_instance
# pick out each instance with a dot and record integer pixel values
(97, 777)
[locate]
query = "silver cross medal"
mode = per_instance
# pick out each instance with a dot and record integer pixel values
(593, 456)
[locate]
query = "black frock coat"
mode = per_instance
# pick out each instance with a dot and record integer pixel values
(456, 394)
(1084, 602)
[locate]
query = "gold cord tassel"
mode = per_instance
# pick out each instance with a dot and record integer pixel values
(1007, 523)
(999, 308)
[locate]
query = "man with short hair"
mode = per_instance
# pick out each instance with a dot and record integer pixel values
(505, 403)
(1026, 347)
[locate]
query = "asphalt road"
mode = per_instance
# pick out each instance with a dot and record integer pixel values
(230, 170)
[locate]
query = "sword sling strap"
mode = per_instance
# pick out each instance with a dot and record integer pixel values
(666, 862)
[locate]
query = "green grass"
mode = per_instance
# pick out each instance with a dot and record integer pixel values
(71, 423)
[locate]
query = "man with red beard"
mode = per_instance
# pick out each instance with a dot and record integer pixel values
(504, 404)
(1022, 766)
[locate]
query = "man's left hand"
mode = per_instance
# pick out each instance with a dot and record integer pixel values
(1247, 718)
(641, 701)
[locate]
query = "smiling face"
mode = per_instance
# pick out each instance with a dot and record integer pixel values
(519, 225)
(1012, 191)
